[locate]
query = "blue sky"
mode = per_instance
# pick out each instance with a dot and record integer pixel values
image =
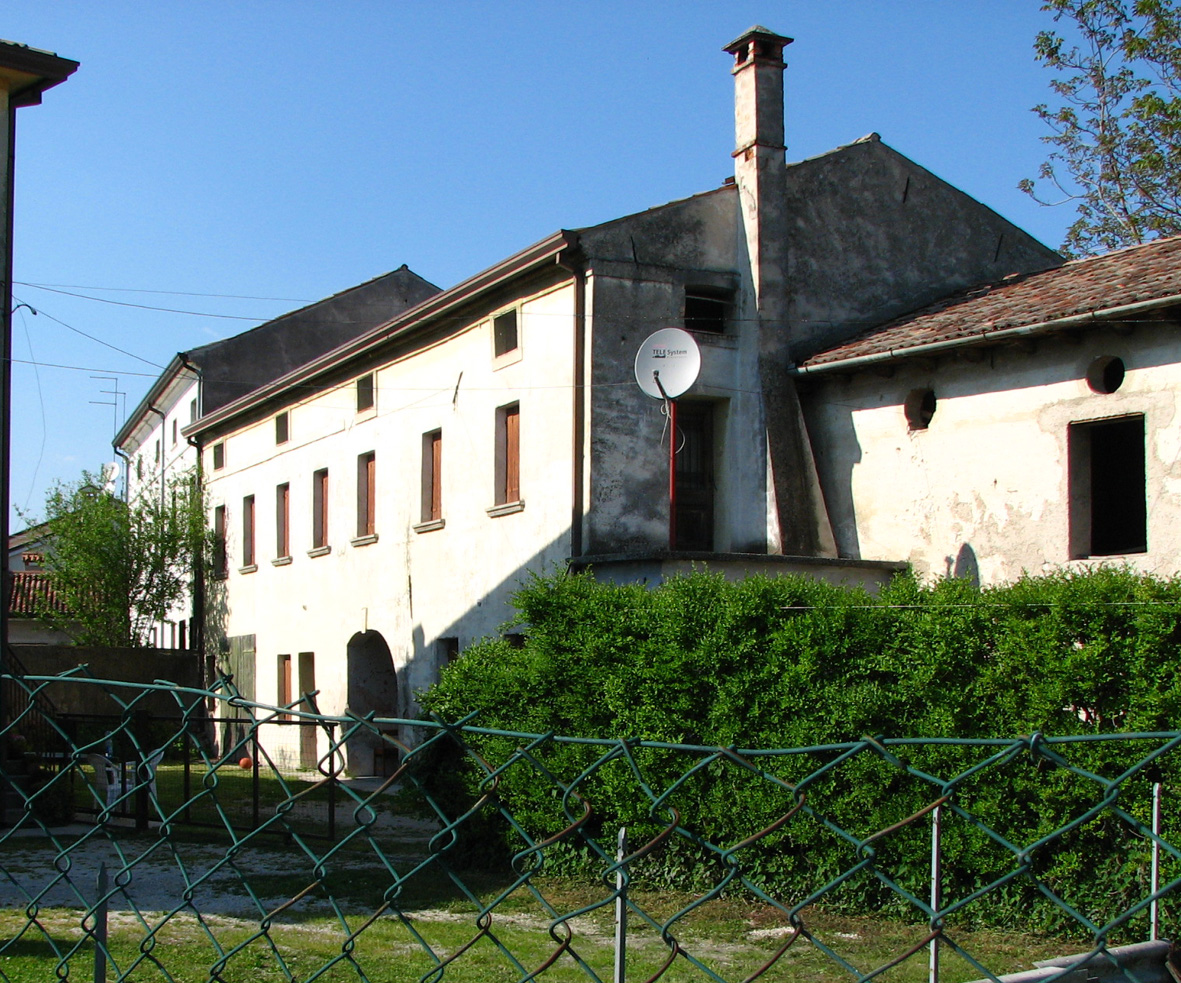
(281, 151)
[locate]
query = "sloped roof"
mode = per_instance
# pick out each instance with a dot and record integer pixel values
(26, 588)
(1098, 287)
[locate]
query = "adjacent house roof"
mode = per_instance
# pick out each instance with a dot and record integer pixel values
(1132, 280)
(26, 588)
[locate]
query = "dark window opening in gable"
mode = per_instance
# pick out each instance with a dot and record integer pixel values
(219, 455)
(1108, 508)
(282, 428)
(365, 392)
(706, 309)
(504, 332)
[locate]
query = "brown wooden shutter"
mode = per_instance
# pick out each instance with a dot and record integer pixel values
(512, 454)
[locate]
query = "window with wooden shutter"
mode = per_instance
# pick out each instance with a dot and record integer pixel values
(508, 454)
(219, 541)
(320, 510)
(248, 532)
(283, 521)
(366, 495)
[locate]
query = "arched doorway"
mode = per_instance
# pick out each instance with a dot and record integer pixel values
(372, 688)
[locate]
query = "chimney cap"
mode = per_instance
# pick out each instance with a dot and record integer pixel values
(760, 33)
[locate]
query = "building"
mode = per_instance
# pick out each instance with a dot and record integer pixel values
(379, 503)
(205, 379)
(1029, 424)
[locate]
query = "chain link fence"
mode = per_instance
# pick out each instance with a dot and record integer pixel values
(225, 841)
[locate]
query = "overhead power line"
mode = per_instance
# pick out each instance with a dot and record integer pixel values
(149, 307)
(172, 293)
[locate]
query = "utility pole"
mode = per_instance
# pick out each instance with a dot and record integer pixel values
(25, 73)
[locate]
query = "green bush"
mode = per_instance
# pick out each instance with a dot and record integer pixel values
(796, 663)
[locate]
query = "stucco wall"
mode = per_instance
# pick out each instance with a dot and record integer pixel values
(986, 486)
(414, 587)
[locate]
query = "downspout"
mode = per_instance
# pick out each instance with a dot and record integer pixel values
(163, 438)
(573, 260)
(197, 633)
(127, 473)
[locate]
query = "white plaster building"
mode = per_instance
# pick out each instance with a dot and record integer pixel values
(380, 502)
(1028, 425)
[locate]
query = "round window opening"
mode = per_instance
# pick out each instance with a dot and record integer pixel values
(919, 408)
(1105, 374)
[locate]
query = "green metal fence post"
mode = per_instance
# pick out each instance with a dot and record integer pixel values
(100, 927)
(621, 909)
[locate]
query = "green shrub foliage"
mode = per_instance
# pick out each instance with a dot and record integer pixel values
(790, 662)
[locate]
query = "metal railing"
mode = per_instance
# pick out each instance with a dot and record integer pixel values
(414, 867)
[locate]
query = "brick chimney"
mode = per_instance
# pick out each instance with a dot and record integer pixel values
(800, 524)
(760, 165)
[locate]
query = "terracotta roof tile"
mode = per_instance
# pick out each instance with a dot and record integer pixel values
(25, 587)
(1147, 272)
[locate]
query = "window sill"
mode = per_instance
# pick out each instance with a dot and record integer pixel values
(280, 561)
(430, 525)
(364, 540)
(508, 508)
(249, 568)
(511, 357)
(320, 551)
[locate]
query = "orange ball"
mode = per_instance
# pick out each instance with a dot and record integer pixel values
(245, 763)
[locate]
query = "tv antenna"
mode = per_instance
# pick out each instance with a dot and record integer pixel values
(667, 364)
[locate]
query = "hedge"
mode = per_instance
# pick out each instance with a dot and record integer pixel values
(791, 662)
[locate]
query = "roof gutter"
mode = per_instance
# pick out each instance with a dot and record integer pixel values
(544, 252)
(978, 337)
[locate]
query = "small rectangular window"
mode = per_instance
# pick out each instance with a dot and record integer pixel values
(248, 559)
(320, 509)
(365, 392)
(192, 411)
(283, 520)
(432, 476)
(366, 494)
(219, 455)
(1108, 502)
(281, 432)
(508, 454)
(504, 332)
(219, 541)
(157, 452)
(448, 649)
(706, 309)
(175, 430)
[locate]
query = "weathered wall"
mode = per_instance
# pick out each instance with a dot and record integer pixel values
(640, 267)
(873, 235)
(985, 490)
(124, 665)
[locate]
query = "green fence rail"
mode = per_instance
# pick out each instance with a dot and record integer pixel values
(487, 855)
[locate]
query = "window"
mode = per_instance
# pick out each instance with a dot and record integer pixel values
(139, 467)
(283, 521)
(695, 477)
(248, 533)
(1108, 512)
(157, 452)
(308, 754)
(281, 431)
(366, 495)
(432, 476)
(448, 647)
(192, 411)
(706, 309)
(508, 454)
(283, 678)
(320, 511)
(219, 455)
(219, 541)
(175, 431)
(365, 392)
(504, 333)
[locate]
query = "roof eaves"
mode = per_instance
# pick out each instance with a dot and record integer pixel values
(159, 387)
(540, 252)
(987, 336)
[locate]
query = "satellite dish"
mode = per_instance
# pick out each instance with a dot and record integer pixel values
(669, 359)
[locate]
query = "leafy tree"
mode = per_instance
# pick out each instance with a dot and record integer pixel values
(119, 567)
(1117, 130)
